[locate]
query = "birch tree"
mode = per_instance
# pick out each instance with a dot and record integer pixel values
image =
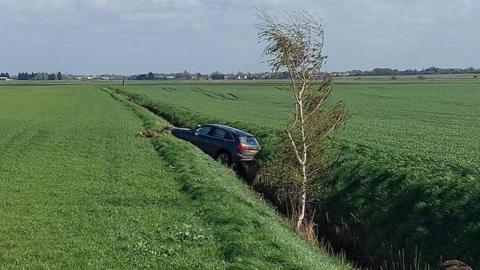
(295, 45)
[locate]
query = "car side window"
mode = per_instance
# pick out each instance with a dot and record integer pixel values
(204, 130)
(228, 136)
(217, 133)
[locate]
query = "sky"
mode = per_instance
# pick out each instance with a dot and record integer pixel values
(137, 36)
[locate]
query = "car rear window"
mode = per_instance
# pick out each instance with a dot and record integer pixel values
(248, 140)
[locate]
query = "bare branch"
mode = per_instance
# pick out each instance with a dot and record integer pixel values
(294, 145)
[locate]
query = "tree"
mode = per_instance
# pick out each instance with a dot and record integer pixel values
(187, 75)
(295, 45)
(40, 76)
(59, 76)
(25, 76)
(141, 77)
(150, 76)
(217, 76)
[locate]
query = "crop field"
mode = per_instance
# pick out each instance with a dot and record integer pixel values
(434, 120)
(409, 177)
(78, 190)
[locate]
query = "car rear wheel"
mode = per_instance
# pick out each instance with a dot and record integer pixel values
(224, 158)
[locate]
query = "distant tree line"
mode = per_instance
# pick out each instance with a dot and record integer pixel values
(39, 76)
(285, 76)
(164, 76)
(243, 75)
(395, 72)
(211, 76)
(143, 77)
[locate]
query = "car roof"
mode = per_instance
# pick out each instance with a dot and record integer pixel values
(233, 130)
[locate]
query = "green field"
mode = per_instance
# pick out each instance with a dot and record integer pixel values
(79, 191)
(434, 120)
(409, 177)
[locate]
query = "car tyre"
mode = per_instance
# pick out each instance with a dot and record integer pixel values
(224, 158)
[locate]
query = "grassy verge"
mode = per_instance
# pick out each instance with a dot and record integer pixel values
(382, 201)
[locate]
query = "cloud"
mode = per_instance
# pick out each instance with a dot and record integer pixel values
(205, 35)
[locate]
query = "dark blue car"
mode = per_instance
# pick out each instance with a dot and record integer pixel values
(226, 144)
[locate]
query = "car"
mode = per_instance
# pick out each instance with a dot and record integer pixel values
(226, 144)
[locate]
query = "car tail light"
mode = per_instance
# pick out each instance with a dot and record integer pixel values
(242, 147)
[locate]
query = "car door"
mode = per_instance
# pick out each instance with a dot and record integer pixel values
(215, 141)
(200, 138)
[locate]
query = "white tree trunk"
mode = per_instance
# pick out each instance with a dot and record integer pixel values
(303, 161)
(303, 199)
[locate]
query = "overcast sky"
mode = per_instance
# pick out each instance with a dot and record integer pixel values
(135, 36)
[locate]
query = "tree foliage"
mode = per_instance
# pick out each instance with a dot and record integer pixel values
(295, 45)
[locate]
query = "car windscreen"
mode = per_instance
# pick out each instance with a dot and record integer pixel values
(248, 140)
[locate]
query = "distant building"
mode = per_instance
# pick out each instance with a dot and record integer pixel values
(341, 74)
(5, 79)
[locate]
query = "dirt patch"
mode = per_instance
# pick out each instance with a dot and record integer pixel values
(150, 133)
